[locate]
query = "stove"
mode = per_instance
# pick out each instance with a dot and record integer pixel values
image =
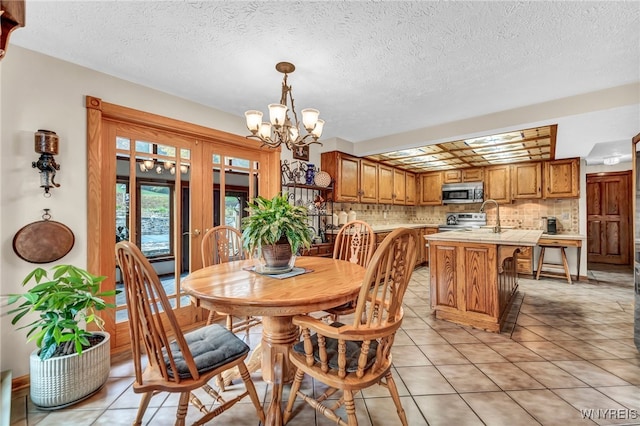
(459, 221)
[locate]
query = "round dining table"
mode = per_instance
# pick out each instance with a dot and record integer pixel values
(234, 288)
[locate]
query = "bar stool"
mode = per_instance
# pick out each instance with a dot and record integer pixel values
(555, 266)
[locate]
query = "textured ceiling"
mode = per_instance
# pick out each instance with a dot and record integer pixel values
(371, 68)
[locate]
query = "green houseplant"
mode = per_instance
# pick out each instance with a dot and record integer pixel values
(276, 228)
(71, 362)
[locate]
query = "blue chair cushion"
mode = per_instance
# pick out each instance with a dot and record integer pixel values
(352, 352)
(210, 346)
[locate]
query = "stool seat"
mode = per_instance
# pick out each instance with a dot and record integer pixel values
(564, 267)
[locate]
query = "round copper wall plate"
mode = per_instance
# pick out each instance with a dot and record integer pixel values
(43, 242)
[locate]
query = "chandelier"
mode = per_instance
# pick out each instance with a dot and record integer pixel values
(281, 130)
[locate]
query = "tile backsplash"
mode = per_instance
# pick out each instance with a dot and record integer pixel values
(522, 214)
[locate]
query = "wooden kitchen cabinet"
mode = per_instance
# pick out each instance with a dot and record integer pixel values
(430, 189)
(526, 180)
(410, 188)
(524, 261)
(497, 183)
(385, 184)
(424, 251)
(452, 176)
(562, 178)
(356, 179)
(475, 174)
(399, 190)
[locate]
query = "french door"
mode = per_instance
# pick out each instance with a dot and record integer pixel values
(161, 186)
(158, 205)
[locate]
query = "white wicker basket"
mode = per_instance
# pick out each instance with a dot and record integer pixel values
(61, 381)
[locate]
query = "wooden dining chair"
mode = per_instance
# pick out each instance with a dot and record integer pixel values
(175, 362)
(223, 244)
(355, 242)
(349, 358)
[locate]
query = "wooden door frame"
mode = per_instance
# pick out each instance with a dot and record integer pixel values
(101, 177)
(630, 208)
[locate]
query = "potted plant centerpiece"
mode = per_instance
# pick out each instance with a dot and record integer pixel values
(71, 363)
(275, 230)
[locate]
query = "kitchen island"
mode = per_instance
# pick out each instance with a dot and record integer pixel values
(473, 274)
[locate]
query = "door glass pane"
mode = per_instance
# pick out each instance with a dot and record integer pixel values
(155, 220)
(152, 200)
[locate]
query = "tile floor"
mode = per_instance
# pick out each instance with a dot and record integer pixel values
(569, 359)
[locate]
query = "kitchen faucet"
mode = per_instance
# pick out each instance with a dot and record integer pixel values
(497, 228)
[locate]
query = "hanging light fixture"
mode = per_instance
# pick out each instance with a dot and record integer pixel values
(281, 130)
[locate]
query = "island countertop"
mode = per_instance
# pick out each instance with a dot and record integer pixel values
(515, 237)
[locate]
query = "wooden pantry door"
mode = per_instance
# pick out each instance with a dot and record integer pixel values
(608, 217)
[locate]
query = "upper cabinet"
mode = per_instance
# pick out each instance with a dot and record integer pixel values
(463, 175)
(399, 190)
(562, 178)
(385, 184)
(363, 181)
(410, 188)
(497, 183)
(356, 179)
(430, 189)
(526, 181)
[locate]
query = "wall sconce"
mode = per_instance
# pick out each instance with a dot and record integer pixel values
(46, 144)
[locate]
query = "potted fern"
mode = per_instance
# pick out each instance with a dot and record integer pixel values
(71, 363)
(275, 230)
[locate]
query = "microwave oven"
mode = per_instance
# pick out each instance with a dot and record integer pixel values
(460, 193)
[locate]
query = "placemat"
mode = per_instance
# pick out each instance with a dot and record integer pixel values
(292, 273)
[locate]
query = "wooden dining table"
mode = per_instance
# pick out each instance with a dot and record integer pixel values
(235, 289)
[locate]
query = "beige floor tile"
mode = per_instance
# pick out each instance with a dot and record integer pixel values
(457, 335)
(498, 409)
(479, 353)
(413, 323)
(584, 350)
(629, 396)
(402, 339)
(423, 380)
(467, 378)
(443, 354)
(383, 411)
(509, 377)
(425, 337)
(446, 410)
(407, 356)
(593, 405)
(550, 351)
(124, 417)
(621, 368)
(616, 347)
(550, 375)
(550, 332)
(590, 373)
(525, 320)
(515, 352)
(71, 417)
(547, 408)
(521, 334)
(129, 399)
(378, 391)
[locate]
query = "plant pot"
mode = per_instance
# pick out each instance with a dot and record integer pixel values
(277, 256)
(61, 381)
